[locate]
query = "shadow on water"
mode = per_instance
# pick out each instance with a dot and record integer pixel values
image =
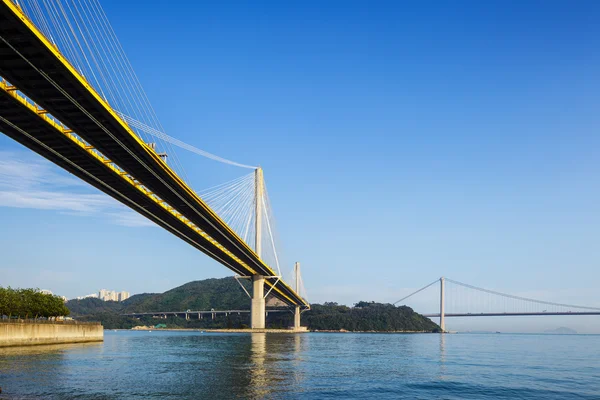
(254, 366)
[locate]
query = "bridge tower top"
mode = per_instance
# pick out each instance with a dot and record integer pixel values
(297, 276)
(258, 199)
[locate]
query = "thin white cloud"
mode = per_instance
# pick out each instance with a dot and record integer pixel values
(28, 182)
(129, 218)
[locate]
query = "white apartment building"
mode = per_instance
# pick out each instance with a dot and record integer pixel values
(111, 295)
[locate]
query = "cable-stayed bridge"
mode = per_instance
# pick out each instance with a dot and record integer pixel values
(457, 299)
(69, 93)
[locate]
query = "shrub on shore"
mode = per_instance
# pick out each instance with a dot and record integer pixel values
(30, 303)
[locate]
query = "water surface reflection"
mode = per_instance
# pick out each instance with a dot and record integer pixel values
(191, 365)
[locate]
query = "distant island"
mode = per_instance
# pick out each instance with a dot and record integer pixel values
(226, 294)
(562, 330)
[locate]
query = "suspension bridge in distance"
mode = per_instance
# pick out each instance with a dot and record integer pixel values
(68, 92)
(457, 299)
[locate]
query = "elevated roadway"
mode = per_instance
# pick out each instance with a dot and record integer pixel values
(513, 314)
(37, 69)
(198, 314)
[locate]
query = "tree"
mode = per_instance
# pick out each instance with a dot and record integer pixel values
(30, 303)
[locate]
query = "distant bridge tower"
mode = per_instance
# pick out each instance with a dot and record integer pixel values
(257, 316)
(442, 299)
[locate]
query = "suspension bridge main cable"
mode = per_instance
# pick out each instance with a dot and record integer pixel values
(81, 31)
(417, 291)
(161, 135)
(516, 297)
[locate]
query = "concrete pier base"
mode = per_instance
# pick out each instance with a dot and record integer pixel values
(257, 315)
(297, 318)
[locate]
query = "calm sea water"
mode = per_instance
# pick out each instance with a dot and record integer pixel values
(194, 365)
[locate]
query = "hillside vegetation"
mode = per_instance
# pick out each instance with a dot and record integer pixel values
(226, 294)
(30, 303)
(367, 316)
(222, 294)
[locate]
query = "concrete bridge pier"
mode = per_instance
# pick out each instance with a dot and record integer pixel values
(297, 310)
(258, 311)
(297, 318)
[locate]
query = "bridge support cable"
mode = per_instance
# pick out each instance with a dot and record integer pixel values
(416, 291)
(514, 304)
(238, 204)
(180, 192)
(231, 200)
(129, 191)
(161, 135)
(103, 128)
(458, 299)
(53, 17)
(272, 249)
(81, 30)
(196, 207)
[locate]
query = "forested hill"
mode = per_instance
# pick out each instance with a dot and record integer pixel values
(365, 317)
(226, 294)
(220, 294)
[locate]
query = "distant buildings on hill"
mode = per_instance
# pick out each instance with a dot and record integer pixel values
(107, 295)
(111, 295)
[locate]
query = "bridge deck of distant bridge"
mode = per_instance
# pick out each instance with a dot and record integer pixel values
(512, 314)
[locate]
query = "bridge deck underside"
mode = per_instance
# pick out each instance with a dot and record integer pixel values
(28, 61)
(44, 139)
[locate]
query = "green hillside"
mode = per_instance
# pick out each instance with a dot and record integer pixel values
(220, 294)
(365, 316)
(226, 294)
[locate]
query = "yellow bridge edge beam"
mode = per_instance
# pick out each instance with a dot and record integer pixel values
(54, 50)
(114, 168)
(19, 13)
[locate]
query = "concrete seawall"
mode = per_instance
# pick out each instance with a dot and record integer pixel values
(28, 334)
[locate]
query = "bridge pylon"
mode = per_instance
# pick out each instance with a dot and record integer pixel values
(258, 310)
(442, 300)
(297, 310)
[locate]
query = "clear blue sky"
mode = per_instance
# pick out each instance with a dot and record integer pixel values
(400, 142)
